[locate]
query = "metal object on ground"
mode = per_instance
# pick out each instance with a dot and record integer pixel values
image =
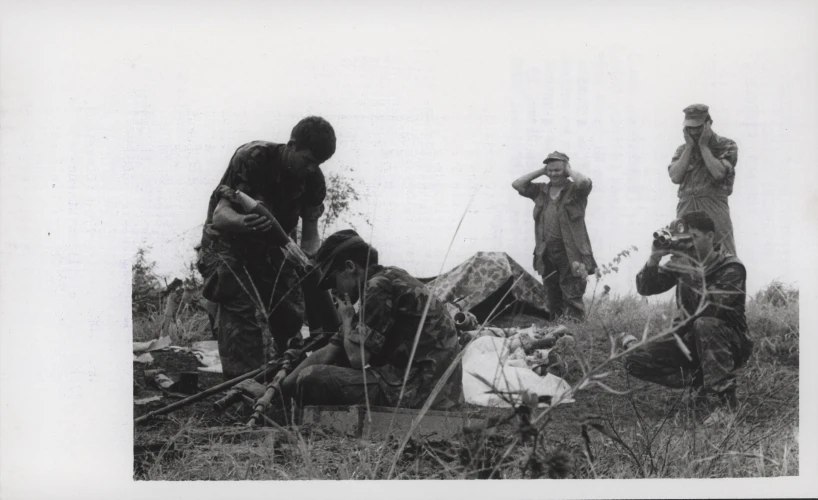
(188, 383)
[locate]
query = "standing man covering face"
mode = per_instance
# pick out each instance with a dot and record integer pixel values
(562, 254)
(704, 167)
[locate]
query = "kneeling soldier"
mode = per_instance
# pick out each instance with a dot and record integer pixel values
(369, 356)
(717, 338)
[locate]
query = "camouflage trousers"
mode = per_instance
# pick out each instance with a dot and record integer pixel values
(338, 385)
(718, 351)
(231, 287)
(563, 290)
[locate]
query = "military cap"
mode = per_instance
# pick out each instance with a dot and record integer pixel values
(556, 156)
(696, 114)
(330, 255)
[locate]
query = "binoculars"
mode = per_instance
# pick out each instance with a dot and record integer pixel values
(673, 237)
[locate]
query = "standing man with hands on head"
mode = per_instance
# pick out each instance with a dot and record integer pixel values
(562, 253)
(239, 261)
(704, 167)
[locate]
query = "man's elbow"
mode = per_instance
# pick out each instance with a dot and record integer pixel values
(219, 221)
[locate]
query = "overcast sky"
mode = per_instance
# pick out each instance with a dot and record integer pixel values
(144, 106)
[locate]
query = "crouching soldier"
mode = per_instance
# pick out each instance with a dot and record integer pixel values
(369, 356)
(717, 339)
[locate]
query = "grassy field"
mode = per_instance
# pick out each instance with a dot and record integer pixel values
(641, 431)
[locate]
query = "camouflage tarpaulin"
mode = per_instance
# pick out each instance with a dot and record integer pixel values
(478, 284)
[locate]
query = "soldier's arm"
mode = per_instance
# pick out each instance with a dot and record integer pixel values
(581, 182)
(680, 163)
(309, 236)
(227, 219)
(717, 168)
(653, 280)
(367, 338)
(524, 186)
(313, 208)
(723, 162)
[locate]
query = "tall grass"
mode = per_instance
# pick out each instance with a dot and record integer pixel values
(648, 431)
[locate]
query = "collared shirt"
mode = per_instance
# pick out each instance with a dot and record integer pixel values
(392, 307)
(256, 169)
(551, 222)
(698, 180)
(569, 208)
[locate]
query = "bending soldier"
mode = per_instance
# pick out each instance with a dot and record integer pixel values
(239, 264)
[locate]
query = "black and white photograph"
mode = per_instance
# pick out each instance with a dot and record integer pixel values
(308, 248)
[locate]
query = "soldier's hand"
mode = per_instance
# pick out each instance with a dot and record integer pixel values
(656, 254)
(251, 388)
(345, 311)
(707, 133)
(688, 138)
(254, 223)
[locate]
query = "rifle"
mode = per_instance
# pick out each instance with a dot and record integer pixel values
(322, 316)
(320, 310)
(259, 374)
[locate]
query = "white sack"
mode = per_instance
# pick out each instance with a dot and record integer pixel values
(489, 358)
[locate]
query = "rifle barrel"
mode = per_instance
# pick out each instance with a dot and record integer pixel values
(206, 393)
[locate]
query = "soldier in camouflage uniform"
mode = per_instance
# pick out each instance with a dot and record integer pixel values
(704, 167)
(236, 260)
(717, 339)
(368, 358)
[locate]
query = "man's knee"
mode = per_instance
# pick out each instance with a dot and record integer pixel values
(311, 379)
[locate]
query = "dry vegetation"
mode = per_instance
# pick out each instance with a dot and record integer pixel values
(646, 431)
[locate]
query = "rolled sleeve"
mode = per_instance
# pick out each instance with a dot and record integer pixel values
(532, 190)
(676, 156)
(584, 187)
(728, 150)
(373, 340)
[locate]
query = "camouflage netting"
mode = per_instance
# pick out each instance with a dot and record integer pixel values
(478, 285)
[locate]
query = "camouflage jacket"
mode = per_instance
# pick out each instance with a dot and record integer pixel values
(256, 169)
(698, 181)
(391, 310)
(725, 277)
(572, 202)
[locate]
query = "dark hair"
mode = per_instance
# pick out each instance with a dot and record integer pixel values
(699, 220)
(317, 135)
(361, 252)
(359, 256)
